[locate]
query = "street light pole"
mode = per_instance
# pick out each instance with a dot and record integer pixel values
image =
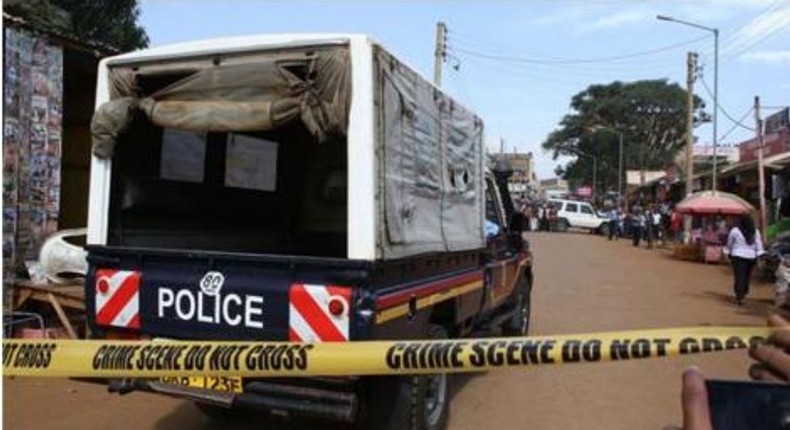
(715, 32)
(595, 177)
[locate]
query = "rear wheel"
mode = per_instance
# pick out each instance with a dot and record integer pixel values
(519, 324)
(410, 402)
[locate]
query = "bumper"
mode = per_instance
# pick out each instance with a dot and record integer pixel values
(333, 399)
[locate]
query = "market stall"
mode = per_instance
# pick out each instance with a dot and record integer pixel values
(714, 208)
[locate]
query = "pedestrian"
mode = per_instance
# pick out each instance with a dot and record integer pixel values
(676, 222)
(637, 225)
(628, 222)
(533, 218)
(744, 245)
(552, 218)
(614, 219)
(658, 233)
(621, 223)
(544, 218)
(649, 228)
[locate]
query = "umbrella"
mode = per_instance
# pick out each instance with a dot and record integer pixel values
(714, 203)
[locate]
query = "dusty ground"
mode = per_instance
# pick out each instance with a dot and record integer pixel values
(583, 283)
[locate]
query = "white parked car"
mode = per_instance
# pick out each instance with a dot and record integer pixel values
(571, 213)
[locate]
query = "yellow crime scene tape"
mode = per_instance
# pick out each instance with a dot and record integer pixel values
(150, 359)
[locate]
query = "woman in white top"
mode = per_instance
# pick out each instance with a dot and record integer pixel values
(743, 246)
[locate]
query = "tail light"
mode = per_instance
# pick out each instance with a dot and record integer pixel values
(338, 306)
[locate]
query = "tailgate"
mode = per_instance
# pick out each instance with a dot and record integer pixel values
(194, 295)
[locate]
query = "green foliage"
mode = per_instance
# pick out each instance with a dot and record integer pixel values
(112, 22)
(651, 115)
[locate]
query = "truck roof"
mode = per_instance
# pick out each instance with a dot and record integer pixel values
(252, 42)
(225, 45)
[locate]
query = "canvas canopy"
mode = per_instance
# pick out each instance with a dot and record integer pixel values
(433, 166)
(256, 96)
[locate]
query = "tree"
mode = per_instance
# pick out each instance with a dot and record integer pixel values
(651, 114)
(112, 22)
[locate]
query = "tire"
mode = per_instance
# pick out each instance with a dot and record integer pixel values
(604, 229)
(410, 402)
(519, 324)
(562, 225)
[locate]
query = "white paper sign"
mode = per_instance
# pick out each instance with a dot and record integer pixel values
(183, 156)
(251, 163)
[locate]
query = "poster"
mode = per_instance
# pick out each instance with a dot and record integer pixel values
(32, 128)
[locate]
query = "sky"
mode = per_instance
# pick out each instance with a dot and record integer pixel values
(517, 64)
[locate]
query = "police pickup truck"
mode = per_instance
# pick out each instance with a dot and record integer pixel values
(296, 188)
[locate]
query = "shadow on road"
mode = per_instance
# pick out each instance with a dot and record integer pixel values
(752, 307)
(189, 417)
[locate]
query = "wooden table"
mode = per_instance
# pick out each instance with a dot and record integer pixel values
(56, 295)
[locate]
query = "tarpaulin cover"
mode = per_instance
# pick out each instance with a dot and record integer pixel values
(433, 166)
(256, 96)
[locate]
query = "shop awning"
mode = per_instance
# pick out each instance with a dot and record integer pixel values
(775, 162)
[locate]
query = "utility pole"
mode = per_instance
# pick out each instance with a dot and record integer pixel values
(440, 53)
(758, 126)
(501, 145)
(715, 108)
(691, 67)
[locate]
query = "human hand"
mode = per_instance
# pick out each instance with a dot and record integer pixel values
(773, 360)
(696, 412)
(694, 398)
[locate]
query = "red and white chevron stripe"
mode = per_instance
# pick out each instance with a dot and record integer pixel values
(118, 298)
(310, 315)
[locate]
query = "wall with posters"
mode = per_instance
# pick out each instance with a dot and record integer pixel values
(32, 133)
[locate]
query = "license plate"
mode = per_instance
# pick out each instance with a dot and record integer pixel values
(225, 384)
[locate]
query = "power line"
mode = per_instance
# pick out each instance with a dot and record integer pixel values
(738, 45)
(635, 65)
(518, 72)
(758, 41)
(721, 108)
(486, 44)
(566, 70)
(733, 32)
(519, 59)
(464, 41)
(735, 126)
(730, 39)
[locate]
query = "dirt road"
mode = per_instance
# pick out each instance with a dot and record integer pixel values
(583, 283)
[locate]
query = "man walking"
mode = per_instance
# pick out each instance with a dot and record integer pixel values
(638, 225)
(614, 220)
